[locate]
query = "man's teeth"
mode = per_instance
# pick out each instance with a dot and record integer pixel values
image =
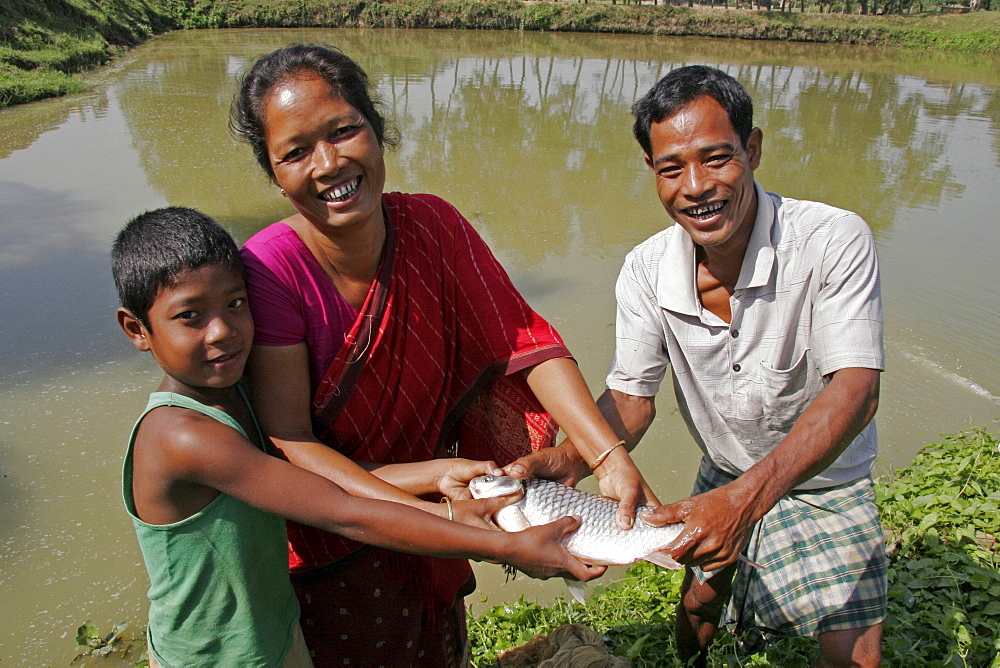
(340, 193)
(707, 210)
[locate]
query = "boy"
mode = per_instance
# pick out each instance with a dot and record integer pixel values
(204, 496)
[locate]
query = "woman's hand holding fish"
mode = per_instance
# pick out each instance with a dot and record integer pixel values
(618, 477)
(562, 464)
(717, 525)
(539, 553)
(453, 482)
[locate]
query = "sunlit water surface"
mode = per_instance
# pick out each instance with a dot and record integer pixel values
(528, 135)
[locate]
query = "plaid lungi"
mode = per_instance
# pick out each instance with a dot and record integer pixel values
(823, 564)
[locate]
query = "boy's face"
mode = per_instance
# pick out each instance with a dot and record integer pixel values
(200, 330)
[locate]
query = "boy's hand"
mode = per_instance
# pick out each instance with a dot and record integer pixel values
(539, 553)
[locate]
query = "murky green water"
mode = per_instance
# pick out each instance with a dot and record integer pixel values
(528, 135)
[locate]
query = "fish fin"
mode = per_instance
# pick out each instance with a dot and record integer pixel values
(576, 589)
(512, 518)
(510, 572)
(662, 559)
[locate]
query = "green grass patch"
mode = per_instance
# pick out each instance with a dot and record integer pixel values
(44, 42)
(932, 29)
(18, 86)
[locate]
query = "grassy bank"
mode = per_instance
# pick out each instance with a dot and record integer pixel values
(44, 44)
(972, 32)
(943, 522)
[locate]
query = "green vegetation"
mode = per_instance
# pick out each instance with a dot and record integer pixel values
(935, 30)
(942, 525)
(45, 43)
(91, 643)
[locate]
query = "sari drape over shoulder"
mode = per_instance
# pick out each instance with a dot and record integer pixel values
(431, 362)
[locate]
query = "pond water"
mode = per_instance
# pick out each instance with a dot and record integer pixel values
(528, 135)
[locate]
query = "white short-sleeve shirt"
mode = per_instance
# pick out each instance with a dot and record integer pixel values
(806, 304)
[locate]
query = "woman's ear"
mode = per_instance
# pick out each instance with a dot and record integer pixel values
(134, 330)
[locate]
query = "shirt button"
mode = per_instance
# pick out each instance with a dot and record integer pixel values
(736, 367)
(734, 333)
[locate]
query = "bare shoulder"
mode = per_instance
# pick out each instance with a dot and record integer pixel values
(182, 460)
(183, 443)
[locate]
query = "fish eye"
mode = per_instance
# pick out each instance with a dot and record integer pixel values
(487, 478)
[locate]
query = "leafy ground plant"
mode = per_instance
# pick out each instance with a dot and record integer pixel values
(96, 648)
(942, 523)
(92, 643)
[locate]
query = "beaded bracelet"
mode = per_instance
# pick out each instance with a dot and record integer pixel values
(604, 455)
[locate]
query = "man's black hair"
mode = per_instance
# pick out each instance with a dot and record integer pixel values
(682, 86)
(155, 247)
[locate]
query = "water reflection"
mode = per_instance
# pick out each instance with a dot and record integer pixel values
(21, 126)
(527, 134)
(866, 138)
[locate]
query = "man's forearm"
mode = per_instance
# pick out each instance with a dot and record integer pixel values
(629, 415)
(824, 430)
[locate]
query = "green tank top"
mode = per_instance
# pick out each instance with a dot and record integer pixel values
(219, 589)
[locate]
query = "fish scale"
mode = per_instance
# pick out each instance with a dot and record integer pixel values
(599, 540)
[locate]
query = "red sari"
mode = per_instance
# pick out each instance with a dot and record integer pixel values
(430, 368)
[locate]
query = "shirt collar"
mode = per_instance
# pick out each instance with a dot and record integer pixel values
(677, 287)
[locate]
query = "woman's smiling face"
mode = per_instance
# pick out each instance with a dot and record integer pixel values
(324, 154)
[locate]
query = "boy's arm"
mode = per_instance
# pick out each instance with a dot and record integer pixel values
(203, 451)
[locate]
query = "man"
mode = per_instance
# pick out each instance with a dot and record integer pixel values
(767, 311)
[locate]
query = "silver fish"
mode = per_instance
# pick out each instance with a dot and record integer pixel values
(599, 540)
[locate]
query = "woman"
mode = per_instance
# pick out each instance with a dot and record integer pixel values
(388, 338)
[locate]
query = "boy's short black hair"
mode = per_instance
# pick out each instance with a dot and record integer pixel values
(155, 247)
(680, 87)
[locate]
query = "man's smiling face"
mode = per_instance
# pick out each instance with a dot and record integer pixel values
(704, 173)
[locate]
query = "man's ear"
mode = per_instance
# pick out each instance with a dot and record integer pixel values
(134, 330)
(755, 143)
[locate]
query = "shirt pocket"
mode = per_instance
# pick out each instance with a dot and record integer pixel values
(787, 392)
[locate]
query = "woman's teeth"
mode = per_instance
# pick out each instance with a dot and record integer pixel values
(341, 193)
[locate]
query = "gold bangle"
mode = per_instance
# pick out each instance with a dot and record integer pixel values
(604, 455)
(451, 511)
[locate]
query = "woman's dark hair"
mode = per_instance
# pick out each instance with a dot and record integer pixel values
(345, 78)
(680, 87)
(156, 247)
